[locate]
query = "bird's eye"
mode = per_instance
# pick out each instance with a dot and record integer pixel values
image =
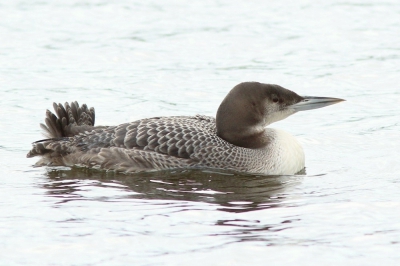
(275, 100)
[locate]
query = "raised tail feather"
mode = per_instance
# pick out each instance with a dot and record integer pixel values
(68, 121)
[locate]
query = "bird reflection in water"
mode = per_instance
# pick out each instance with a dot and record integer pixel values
(232, 192)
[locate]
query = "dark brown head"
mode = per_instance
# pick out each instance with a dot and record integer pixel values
(250, 106)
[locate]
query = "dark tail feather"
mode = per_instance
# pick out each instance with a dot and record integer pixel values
(70, 120)
(53, 139)
(53, 128)
(67, 121)
(37, 149)
(40, 147)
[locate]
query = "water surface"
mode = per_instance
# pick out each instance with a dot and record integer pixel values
(135, 59)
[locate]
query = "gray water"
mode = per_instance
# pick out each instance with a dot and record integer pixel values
(137, 59)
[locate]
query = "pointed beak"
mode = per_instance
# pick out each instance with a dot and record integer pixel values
(310, 102)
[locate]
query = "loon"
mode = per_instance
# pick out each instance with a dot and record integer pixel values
(237, 139)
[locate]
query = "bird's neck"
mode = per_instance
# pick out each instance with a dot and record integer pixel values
(241, 132)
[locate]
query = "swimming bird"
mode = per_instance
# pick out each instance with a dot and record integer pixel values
(237, 139)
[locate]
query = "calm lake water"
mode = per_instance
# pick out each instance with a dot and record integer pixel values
(136, 59)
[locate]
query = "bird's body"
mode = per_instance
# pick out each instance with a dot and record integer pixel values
(236, 140)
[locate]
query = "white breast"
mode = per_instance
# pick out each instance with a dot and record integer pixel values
(286, 153)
